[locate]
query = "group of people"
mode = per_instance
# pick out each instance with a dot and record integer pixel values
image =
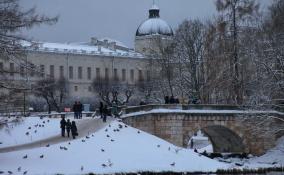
(171, 100)
(77, 108)
(68, 126)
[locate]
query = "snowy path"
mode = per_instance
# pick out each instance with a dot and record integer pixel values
(85, 127)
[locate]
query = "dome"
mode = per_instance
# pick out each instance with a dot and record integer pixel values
(154, 25)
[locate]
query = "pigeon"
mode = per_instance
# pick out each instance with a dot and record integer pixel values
(108, 136)
(120, 126)
(104, 165)
(25, 172)
(117, 130)
(92, 135)
(35, 131)
(27, 133)
(125, 126)
(19, 169)
(106, 130)
(109, 125)
(82, 168)
(61, 147)
(69, 143)
(65, 148)
(169, 148)
(25, 156)
(41, 156)
(87, 137)
(43, 122)
(173, 164)
(138, 132)
(10, 172)
(83, 140)
(114, 130)
(109, 163)
(1, 143)
(1, 172)
(158, 146)
(29, 127)
(112, 140)
(102, 150)
(47, 120)
(47, 145)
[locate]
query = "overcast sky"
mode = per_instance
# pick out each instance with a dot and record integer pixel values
(79, 20)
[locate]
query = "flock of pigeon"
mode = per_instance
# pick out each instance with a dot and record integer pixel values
(108, 132)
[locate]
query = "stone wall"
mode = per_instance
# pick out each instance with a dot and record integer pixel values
(228, 132)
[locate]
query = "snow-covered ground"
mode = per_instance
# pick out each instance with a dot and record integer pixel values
(26, 130)
(114, 149)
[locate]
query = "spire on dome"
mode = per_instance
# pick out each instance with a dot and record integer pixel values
(154, 11)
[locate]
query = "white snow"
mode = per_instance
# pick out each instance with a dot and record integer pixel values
(129, 152)
(154, 26)
(16, 133)
(198, 111)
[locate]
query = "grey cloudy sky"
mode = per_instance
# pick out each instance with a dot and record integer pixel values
(118, 19)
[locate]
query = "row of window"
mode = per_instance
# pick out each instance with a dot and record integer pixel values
(71, 76)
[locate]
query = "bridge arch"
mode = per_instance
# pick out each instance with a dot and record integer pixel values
(222, 139)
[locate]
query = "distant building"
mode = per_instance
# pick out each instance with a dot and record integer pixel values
(83, 63)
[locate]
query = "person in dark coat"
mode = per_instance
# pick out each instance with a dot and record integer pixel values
(101, 109)
(68, 127)
(105, 112)
(80, 109)
(74, 130)
(75, 110)
(167, 100)
(172, 100)
(62, 126)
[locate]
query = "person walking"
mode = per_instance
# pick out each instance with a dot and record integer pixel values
(62, 126)
(74, 130)
(105, 113)
(101, 109)
(75, 110)
(80, 109)
(68, 127)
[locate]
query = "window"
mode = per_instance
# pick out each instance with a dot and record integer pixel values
(89, 73)
(32, 71)
(123, 74)
(75, 88)
(115, 75)
(51, 71)
(70, 72)
(42, 70)
(98, 74)
(12, 69)
(22, 70)
(140, 75)
(148, 75)
(106, 74)
(80, 72)
(1, 67)
(132, 75)
(61, 71)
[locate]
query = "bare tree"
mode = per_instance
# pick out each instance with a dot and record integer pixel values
(236, 13)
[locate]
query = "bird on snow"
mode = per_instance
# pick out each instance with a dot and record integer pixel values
(169, 148)
(61, 147)
(158, 146)
(102, 150)
(87, 137)
(27, 133)
(10, 172)
(120, 126)
(69, 143)
(138, 132)
(41, 156)
(173, 164)
(108, 136)
(65, 148)
(92, 135)
(109, 163)
(105, 130)
(35, 131)
(19, 169)
(47, 120)
(112, 140)
(29, 127)
(25, 156)
(125, 126)
(1, 172)
(104, 165)
(1, 143)
(47, 145)
(114, 130)
(83, 140)
(109, 125)
(43, 122)
(82, 168)
(25, 172)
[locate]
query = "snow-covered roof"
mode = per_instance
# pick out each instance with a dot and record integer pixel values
(154, 7)
(119, 43)
(154, 26)
(83, 49)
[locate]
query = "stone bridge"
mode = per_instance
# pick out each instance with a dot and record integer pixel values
(229, 128)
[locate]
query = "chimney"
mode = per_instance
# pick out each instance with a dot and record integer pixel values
(94, 41)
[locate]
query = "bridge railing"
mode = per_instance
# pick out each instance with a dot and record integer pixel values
(179, 106)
